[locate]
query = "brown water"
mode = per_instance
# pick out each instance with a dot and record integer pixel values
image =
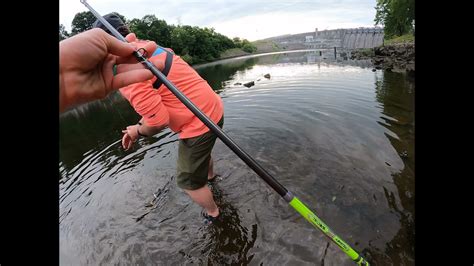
(336, 134)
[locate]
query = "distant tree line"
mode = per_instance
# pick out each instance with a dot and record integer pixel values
(397, 17)
(193, 44)
(244, 45)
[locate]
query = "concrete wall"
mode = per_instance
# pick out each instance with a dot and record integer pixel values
(341, 38)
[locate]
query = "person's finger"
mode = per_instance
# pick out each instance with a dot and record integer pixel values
(131, 37)
(150, 48)
(129, 140)
(115, 46)
(130, 59)
(131, 77)
(132, 73)
(108, 74)
(129, 67)
(124, 139)
(133, 60)
(122, 68)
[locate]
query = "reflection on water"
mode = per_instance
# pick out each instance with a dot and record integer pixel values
(396, 93)
(336, 134)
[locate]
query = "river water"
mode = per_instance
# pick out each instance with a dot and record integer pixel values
(333, 132)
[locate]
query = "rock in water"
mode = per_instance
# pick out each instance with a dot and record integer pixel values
(249, 84)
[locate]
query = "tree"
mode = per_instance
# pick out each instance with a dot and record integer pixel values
(397, 16)
(224, 41)
(152, 28)
(63, 34)
(237, 42)
(182, 40)
(82, 21)
(249, 48)
(193, 44)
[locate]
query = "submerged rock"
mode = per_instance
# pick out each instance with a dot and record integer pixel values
(249, 84)
(403, 154)
(266, 76)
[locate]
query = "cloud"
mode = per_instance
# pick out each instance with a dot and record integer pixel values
(245, 18)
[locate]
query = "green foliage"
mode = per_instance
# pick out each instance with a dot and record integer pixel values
(187, 58)
(199, 44)
(237, 42)
(151, 28)
(365, 52)
(194, 44)
(397, 16)
(82, 21)
(249, 48)
(401, 39)
(244, 44)
(63, 34)
(275, 47)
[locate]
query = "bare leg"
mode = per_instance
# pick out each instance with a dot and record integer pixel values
(203, 197)
(210, 173)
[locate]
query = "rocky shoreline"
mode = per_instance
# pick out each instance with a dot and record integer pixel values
(395, 57)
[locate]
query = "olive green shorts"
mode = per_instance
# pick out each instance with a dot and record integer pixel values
(193, 159)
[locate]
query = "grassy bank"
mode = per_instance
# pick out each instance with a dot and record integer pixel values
(262, 47)
(407, 38)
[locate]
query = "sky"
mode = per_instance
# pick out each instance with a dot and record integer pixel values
(249, 19)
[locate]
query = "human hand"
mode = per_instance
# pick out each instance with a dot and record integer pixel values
(130, 136)
(86, 66)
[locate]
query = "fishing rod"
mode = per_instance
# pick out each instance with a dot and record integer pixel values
(262, 173)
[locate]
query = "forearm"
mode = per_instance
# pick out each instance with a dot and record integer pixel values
(62, 96)
(148, 131)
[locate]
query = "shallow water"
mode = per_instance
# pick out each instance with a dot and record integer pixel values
(336, 134)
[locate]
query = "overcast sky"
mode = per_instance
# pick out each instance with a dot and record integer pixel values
(250, 19)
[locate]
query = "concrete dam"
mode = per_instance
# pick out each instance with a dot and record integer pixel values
(340, 38)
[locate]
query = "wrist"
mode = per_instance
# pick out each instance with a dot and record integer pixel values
(138, 131)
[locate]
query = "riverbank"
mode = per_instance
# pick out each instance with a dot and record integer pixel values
(261, 45)
(397, 55)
